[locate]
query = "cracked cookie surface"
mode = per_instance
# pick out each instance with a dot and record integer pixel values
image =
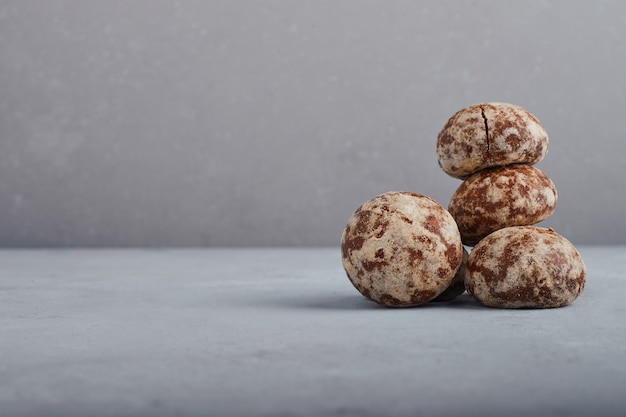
(490, 135)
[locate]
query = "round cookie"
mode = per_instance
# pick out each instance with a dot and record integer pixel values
(488, 135)
(401, 249)
(514, 195)
(525, 267)
(457, 286)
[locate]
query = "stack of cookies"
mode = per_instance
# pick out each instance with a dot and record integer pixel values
(492, 147)
(403, 249)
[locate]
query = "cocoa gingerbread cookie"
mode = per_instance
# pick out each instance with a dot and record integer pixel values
(488, 135)
(401, 249)
(525, 267)
(514, 195)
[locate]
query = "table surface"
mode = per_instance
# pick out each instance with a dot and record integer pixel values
(281, 332)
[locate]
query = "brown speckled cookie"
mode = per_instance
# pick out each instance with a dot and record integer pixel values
(457, 286)
(401, 249)
(489, 135)
(514, 195)
(525, 267)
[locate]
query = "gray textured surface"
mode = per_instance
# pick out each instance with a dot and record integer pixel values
(269, 122)
(274, 332)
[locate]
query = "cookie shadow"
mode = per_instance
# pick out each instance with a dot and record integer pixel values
(358, 302)
(334, 302)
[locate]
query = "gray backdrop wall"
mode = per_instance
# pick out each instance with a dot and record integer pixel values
(165, 123)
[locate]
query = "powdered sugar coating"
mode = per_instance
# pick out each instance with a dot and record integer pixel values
(525, 267)
(489, 135)
(514, 195)
(401, 249)
(457, 286)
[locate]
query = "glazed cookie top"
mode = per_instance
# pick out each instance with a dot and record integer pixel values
(401, 249)
(489, 135)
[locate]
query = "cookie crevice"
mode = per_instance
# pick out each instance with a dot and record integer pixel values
(482, 113)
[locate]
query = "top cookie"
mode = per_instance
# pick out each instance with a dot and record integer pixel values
(488, 135)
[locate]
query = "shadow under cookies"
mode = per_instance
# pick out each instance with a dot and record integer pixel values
(335, 301)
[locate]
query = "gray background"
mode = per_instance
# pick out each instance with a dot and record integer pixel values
(164, 123)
